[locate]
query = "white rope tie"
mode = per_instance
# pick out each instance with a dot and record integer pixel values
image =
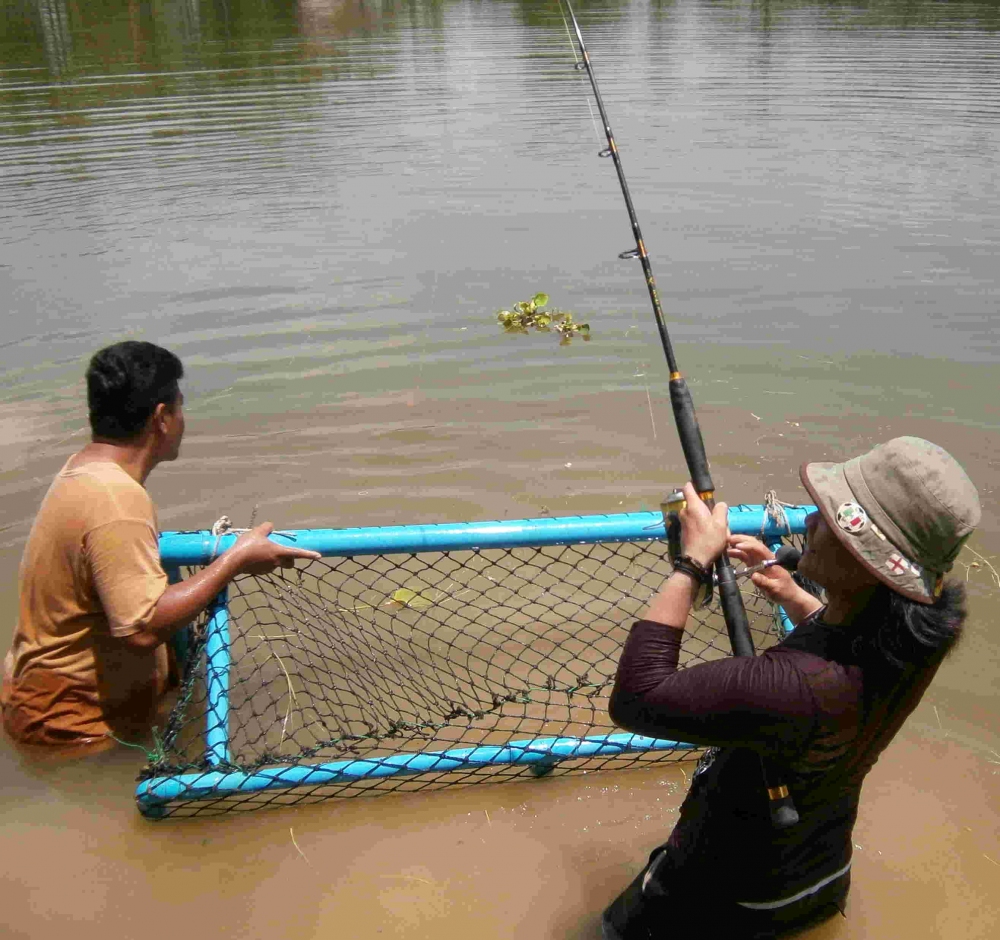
(223, 526)
(774, 509)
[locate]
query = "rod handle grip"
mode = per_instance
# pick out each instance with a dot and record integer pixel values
(690, 435)
(735, 614)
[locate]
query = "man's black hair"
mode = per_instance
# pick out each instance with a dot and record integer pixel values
(125, 383)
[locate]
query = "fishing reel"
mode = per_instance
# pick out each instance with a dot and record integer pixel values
(671, 505)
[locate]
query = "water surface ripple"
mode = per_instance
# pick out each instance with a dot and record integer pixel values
(346, 195)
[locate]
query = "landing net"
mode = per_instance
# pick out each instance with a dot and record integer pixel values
(375, 671)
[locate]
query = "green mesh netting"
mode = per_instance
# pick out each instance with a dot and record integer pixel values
(364, 657)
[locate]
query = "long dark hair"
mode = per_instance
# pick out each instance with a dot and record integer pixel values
(906, 633)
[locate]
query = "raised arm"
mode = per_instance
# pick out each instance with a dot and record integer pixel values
(179, 604)
(762, 702)
(777, 584)
(751, 701)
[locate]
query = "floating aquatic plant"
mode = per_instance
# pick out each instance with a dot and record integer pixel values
(529, 314)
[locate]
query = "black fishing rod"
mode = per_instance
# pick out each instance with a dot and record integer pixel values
(783, 811)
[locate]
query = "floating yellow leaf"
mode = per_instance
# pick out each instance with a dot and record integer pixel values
(409, 598)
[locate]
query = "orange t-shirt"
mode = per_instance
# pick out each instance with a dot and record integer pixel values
(90, 576)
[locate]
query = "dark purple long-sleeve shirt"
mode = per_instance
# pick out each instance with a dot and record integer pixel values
(808, 704)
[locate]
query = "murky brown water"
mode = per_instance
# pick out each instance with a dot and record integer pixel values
(320, 206)
(536, 858)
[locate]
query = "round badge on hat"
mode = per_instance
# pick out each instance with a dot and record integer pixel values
(852, 518)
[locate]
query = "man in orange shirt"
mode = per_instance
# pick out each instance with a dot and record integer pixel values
(88, 662)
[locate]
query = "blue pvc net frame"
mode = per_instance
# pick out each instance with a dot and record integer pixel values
(413, 657)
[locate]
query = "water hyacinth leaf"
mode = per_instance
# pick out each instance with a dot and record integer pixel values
(527, 314)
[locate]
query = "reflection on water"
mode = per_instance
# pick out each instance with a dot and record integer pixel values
(342, 194)
(53, 20)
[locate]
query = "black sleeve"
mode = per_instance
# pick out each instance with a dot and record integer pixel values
(763, 702)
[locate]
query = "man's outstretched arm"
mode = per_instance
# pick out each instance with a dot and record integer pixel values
(253, 553)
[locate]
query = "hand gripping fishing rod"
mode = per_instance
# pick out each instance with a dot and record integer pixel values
(783, 812)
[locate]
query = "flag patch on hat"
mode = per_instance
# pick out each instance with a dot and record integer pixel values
(897, 564)
(851, 517)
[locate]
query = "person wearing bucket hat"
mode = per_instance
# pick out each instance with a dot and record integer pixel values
(821, 705)
(903, 510)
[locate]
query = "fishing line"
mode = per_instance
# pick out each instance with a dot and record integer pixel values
(576, 62)
(597, 134)
(782, 809)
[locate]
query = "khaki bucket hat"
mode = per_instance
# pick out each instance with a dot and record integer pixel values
(904, 510)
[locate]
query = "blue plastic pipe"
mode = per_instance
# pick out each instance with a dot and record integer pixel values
(783, 619)
(200, 548)
(217, 664)
(153, 795)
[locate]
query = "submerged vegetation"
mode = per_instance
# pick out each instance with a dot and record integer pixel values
(529, 314)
